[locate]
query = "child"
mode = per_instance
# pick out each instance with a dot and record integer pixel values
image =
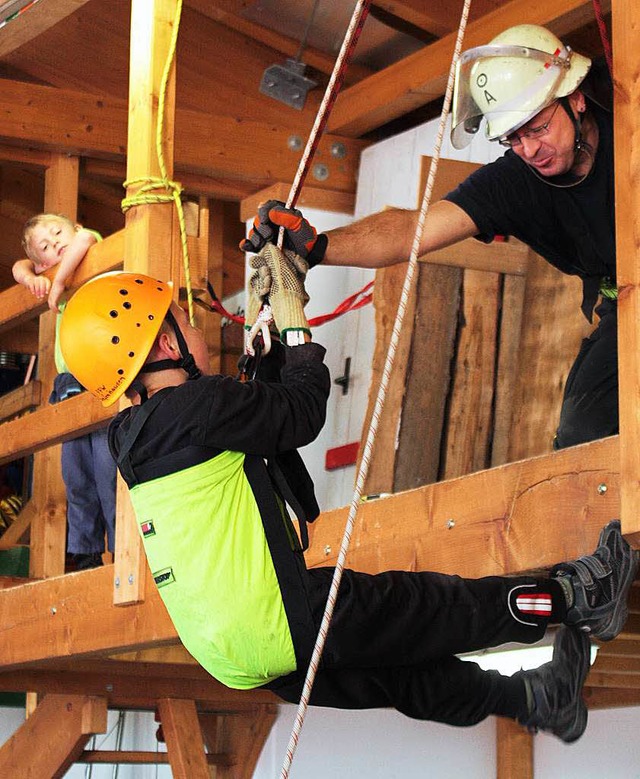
(88, 470)
(202, 457)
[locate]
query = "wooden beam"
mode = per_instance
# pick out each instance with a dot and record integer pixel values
(96, 126)
(435, 18)
(57, 618)
(510, 257)
(514, 750)
(50, 425)
(278, 42)
(20, 400)
(129, 685)
(626, 19)
(524, 516)
(125, 757)
(183, 737)
(48, 743)
(421, 78)
(40, 18)
(310, 197)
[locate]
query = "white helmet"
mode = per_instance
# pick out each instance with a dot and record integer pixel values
(519, 73)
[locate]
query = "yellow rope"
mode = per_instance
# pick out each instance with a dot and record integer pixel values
(171, 190)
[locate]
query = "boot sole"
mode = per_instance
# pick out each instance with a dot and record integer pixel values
(629, 568)
(575, 644)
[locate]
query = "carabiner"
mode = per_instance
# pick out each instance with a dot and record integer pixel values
(261, 327)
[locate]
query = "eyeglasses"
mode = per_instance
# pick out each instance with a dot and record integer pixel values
(515, 139)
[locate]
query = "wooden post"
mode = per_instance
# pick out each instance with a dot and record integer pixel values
(152, 243)
(626, 65)
(514, 753)
(49, 527)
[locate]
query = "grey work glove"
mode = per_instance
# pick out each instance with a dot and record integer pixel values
(287, 295)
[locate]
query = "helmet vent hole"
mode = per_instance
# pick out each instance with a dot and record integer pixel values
(126, 305)
(115, 340)
(113, 314)
(139, 281)
(151, 317)
(124, 292)
(138, 324)
(132, 354)
(120, 372)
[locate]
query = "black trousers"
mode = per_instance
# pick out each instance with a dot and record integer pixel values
(393, 637)
(590, 403)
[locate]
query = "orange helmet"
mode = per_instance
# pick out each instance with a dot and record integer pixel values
(108, 328)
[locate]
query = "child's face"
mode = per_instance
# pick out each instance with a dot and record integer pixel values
(48, 242)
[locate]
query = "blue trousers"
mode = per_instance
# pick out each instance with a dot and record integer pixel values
(89, 474)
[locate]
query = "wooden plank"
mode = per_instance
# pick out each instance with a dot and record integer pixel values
(386, 295)
(14, 533)
(20, 399)
(125, 757)
(469, 429)
(18, 304)
(428, 379)
(96, 126)
(514, 750)
(603, 698)
(626, 19)
(184, 739)
(421, 77)
(50, 740)
(241, 737)
(509, 257)
(57, 618)
(511, 321)
(310, 197)
(548, 350)
(193, 183)
(50, 425)
(521, 516)
(134, 685)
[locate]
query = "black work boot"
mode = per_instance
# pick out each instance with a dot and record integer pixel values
(599, 585)
(554, 690)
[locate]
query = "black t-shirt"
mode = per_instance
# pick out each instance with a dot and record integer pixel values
(571, 227)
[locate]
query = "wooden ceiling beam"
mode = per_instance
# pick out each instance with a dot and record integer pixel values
(439, 19)
(38, 19)
(220, 146)
(321, 62)
(421, 78)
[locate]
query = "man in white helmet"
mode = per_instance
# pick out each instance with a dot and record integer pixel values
(553, 189)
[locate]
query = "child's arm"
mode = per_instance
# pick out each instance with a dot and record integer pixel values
(73, 256)
(24, 273)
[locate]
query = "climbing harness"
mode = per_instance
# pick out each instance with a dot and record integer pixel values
(382, 390)
(170, 191)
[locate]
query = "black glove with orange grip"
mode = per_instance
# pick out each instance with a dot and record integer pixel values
(300, 237)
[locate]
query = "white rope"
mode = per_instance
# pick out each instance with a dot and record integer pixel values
(375, 419)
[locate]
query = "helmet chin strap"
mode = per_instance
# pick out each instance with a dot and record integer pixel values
(186, 361)
(576, 121)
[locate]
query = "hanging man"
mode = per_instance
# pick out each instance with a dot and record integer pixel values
(553, 189)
